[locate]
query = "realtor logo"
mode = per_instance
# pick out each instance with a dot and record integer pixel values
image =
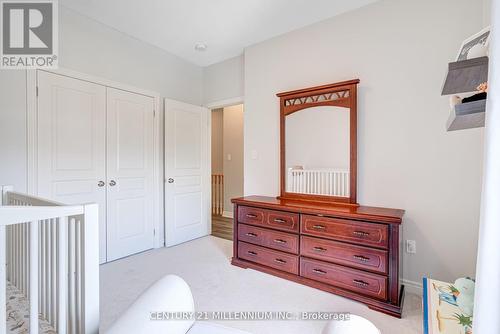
(29, 34)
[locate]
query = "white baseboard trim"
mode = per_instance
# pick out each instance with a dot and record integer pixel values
(227, 214)
(412, 287)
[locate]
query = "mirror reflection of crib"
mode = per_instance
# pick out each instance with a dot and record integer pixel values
(318, 181)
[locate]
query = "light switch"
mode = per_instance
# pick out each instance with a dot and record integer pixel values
(229, 157)
(411, 246)
(255, 155)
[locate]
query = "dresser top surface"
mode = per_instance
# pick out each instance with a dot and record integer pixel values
(340, 210)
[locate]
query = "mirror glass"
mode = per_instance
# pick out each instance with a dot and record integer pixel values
(317, 151)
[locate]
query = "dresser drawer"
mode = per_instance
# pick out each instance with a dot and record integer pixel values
(346, 278)
(282, 241)
(368, 234)
(268, 257)
(345, 254)
(279, 220)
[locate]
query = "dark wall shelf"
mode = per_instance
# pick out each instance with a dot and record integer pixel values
(464, 76)
(467, 116)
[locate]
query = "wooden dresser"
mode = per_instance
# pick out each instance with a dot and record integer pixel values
(352, 251)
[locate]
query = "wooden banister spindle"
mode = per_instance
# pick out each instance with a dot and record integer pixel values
(222, 194)
(217, 194)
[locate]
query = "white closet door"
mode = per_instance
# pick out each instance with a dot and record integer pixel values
(130, 152)
(71, 144)
(187, 191)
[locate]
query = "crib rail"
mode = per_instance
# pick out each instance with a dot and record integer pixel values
(51, 256)
(318, 182)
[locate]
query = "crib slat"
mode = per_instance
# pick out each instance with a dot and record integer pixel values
(28, 259)
(34, 278)
(40, 257)
(3, 278)
(16, 255)
(62, 291)
(48, 281)
(71, 278)
(53, 282)
(42, 267)
(78, 274)
(90, 269)
(21, 258)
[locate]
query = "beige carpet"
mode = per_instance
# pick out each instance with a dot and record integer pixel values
(219, 286)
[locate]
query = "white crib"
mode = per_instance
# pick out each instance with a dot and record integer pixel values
(329, 182)
(49, 252)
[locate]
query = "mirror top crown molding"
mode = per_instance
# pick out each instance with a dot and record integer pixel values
(340, 94)
(336, 94)
(317, 88)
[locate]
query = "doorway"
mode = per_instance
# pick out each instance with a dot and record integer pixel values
(227, 167)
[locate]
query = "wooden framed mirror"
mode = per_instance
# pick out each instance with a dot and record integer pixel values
(318, 143)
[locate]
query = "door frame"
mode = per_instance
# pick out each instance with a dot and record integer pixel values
(217, 105)
(31, 135)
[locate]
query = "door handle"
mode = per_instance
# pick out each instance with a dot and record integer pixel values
(101, 184)
(170, 180)
(112, 183)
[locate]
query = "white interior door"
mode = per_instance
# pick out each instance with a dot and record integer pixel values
(71, 144)
(130, 151)
(187, 171)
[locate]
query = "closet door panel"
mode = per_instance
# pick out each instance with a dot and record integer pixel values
(71, 139)
(130, 154)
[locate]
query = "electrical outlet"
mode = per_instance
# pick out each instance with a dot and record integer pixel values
(411, 246)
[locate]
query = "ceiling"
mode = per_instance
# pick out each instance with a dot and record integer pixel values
(225, 26)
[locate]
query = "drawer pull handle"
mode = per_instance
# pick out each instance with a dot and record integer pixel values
(318, 227)
(361, 234)
(251, 215)
(280, 261)
(280, 221)
(319, 249)
(319, 271)
(252, 253)
(361, 258)
(279, 241)
(360, 283)
(251, 235)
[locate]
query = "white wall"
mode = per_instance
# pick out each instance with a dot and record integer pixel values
(90, 47)
(223, 80)
(233, 145)
(400, 50)
(93, 48)
(487, 12)
(217, 141)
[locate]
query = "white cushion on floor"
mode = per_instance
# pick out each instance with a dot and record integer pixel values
(169, 294)
(202, 327)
